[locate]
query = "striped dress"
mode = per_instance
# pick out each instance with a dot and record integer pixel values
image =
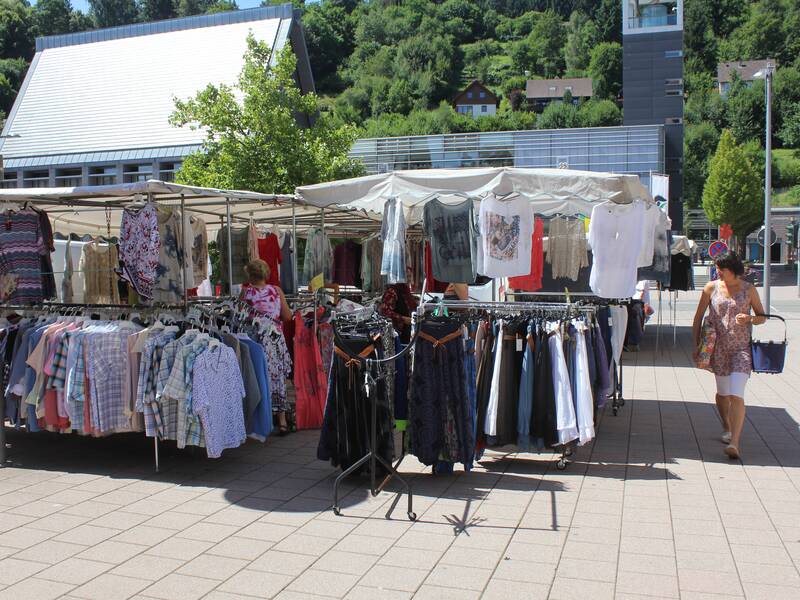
(21, 249)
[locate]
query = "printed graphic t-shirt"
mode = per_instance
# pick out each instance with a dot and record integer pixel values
(506, 228)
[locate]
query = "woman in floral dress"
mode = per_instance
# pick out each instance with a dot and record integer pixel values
(268, 301)
(730, 300)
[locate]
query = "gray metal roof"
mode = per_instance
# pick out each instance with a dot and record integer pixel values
(104, 92)
(107, 157)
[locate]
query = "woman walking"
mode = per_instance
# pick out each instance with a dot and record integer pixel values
(729, 300)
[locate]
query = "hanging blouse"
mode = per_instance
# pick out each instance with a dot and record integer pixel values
(506, 228)
(139, 247)
(393, 236)
(616, 237)
(270, 252)
(566, 247)
(21, 248)
(98, 263)
(169, 272)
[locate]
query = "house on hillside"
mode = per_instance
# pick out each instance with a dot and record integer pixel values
(745, 70)
(476, 101)
(541, 92)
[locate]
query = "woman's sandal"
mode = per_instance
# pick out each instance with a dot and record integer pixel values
(283, 430)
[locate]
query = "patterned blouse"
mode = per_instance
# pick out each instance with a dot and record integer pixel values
(732, 350)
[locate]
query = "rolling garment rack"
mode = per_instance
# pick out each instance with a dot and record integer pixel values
(556, 309)
(589, 299)
(372, 375)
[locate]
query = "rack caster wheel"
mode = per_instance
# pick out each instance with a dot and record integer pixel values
(615, 411)
(622, 401)
(337, 511)
(412, 516)
(561, 464)
(568, 452)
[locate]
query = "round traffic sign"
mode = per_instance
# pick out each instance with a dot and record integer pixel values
(717, 248)
(773, 237)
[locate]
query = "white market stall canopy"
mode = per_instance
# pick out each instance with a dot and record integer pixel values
(86, 209)
(550, 190)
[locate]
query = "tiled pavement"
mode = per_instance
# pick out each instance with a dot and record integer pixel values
(651, 509)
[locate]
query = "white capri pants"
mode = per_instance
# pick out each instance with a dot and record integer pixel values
(732, 385)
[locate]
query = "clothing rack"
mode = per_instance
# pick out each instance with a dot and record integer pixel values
(566, 308)
(373, 365)
(71, 309)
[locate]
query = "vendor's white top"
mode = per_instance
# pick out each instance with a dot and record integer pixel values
(551, 191)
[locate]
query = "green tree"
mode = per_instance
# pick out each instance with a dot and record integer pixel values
(187, 8)
(110, 13)
(79, 21)
(599, 113)
(700, 142)
(732, 192)
(52, 17)
(221, 6)
(254, 138)
(790, 132)
(558, 115)
(608, 17)
(605, 69)
(329, 37)
(16, 30)
(582, 37)
(547, 40)
(12, 73)
(745, 109)
(157, 10)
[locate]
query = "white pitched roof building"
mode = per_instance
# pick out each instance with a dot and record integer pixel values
(94, 107)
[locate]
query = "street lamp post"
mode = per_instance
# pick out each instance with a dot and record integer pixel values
(766, 74)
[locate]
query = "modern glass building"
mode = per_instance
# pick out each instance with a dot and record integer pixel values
(637, 150)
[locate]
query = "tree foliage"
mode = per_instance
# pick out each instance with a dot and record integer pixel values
(253, 138)
(110, 13)
(732, 193)
(16, 30)
(605, 69)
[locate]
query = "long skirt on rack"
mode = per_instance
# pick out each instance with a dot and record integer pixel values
(346, 428)
(510, 372)
(439, 412)
(543, 418)
(484, 385)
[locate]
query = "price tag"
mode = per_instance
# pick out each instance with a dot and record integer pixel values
(519, 344)
(610, 322)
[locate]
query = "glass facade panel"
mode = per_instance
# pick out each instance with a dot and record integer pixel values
(638, 150)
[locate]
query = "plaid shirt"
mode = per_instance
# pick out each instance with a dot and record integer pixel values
(164, 406)
(145, 395)
(59, 379)
(76, 376)
(105, 352)
(179, 385)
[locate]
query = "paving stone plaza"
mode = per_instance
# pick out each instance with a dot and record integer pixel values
(651, 509)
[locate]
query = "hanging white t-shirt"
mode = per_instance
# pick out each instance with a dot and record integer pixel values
(652, 218)
(615, 236)
(506, 237)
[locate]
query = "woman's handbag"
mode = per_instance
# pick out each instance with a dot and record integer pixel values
(708, 340)
(768, 357)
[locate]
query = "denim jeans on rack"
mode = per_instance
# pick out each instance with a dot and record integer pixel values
(525, 403)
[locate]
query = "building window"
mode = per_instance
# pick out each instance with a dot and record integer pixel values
(674, 92)
(167, 170)
(137, 172)
(673, 54)
(9, 179)
(553, 89)
(484, 108)
(71, 177)
(469, 95)
(483, 94)
(105, 175)
(568, 88)
(673, 81)
(39, 178)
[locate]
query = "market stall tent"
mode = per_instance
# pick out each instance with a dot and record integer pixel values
(551, 190)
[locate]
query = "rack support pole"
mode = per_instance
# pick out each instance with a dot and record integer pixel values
(294, 247)
(184, 222)
(155, 452)
(230, 246)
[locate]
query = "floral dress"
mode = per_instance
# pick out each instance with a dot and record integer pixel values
(266, 302)
(732, 349)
